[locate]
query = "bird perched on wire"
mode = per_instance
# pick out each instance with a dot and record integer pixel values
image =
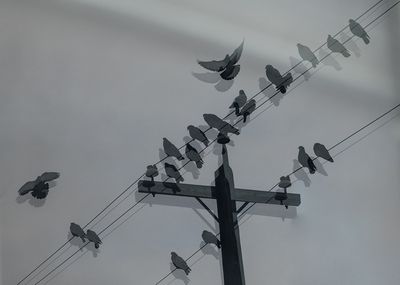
(77, 231)
(180, 263)
(239, 102)
(335, 46)
(173, 172)
(198, 134)
(171, 150)
(321, 151)
(193, 155)
(38, 188)
(209, 237)
(284, 182)
(151, 171)
(215, 122)
(307, 55)
(93, 237)
(281, 82)
(358, 31)
(305, 160)
(248, 109)
(228, 66)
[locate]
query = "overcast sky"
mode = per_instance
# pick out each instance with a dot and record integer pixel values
(90, 88)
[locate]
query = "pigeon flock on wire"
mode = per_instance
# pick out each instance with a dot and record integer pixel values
(228, 68)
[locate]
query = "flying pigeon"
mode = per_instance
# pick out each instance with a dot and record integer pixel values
(93, 237)
(358, 31)
(228, 67)
(281, 82)
(180, 263)
(151, 171)
(193, 155)
(305, 160)
(211, 238)
(248, 109)
(335, 46)
(173, 172)
(307, 55)
(38, 187)
(321, 151)
(77, 231)
(284, 182)
(215, 122)
(198, 134)
(171, 150)
(239, 102)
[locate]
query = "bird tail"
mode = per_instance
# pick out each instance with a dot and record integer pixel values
(366, 39)
(206, 142)
(179, 179)
(346, 53)
(199, 164)
(83, 239)
(181, 157)
(315, 62)
(282, 89)
(245, 115)
(187, 270)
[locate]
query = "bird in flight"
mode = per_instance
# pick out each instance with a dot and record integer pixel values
(39, 188)
(227, 67)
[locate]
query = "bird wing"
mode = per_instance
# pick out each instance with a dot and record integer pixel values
(27, 187)
(230, 72)
(49, 176)
(179, 262)
(170, 149)
(235, 56)
(213, 121)
(215, 65)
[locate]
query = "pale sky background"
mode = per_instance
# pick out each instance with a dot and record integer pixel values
(90, 87)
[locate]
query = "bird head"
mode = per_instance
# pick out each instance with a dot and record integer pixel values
(351, 21)
(173, 253)
(301, 147)
(189, 127)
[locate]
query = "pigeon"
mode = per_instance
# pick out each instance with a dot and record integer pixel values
(171, 150)
(93, 237)
(77, 231)
(173, 172)
(151, 171)
(284, 182)
(358, 31)
(215, 122)
(38, 187)
(180, 263)
(307, 55)
(321, 151)
(335, 46)
(239, 102)
(248, 109)
(227, 66)
(211, 238)
(281, 82)
(193, 155)
(198, 134)
(305, 160)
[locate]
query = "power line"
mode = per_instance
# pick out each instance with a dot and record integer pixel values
(133, 183)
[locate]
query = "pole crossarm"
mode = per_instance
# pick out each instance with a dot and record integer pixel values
(209, 192)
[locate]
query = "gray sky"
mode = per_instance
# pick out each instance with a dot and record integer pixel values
(90, 88)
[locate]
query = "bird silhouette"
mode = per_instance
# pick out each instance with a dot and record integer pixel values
(321, 151)
(198, 134)
(358, 31)
(38, 188)
(248, 109)
(335, 46)
(209, 237)
(93, 237)
(193, 155)
(307, 55)
(305, 160)
(77, 231)
(171, 150)
(239, 102)
(228, 66)
(281, 82)
(151, 171)
(284, 182)
(180, 263)
(173, 172)
(215, 122)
